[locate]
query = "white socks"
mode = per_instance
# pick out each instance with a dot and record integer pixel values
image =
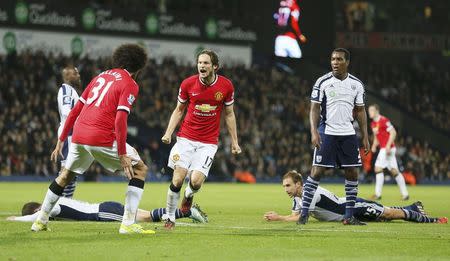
(172, 204)
(401, 184)
(132, 200)
(379, 179)
(47, 206)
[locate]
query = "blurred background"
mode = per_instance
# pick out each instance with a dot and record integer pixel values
(272, 50)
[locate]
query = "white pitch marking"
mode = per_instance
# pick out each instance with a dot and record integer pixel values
(8, 213)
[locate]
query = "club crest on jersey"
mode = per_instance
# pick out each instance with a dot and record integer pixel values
(318, 158)
(131, 99)
(205, 107)
(176, 157)
(218, 96)
(353, 87)
(67, 100)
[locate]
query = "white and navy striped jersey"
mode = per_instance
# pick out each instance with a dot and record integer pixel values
(70, 208)
(67, 98)
(67, 208)
(325, 206)
(337, 99)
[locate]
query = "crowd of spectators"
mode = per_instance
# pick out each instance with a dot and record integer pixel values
(417, 84)
(271, 109)
(392, 16)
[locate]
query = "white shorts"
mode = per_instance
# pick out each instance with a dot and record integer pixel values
(81, 157)
(286, 46)
(192, 155)
(386, 161)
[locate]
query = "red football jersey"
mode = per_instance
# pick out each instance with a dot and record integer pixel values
(110, 91)
(202, 120)
(381, 129)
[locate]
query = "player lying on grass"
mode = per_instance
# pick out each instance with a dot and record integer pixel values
(67, 208)
(326, 206)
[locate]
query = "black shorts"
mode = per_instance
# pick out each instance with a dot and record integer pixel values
(366, 210)
(337, 152)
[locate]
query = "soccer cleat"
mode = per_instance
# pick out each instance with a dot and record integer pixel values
(353, 222)
(39, 225)
(186, 204)
(405, 198)
(197, 215)
(442, 220)
(302, 220)
(375, 197)
(169, 224)
(420, 208)
(134, 229)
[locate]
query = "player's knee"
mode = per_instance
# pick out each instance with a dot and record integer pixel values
(65, 177)
(316, 172)
(177, 181)
(179, 174)
(140, 170)
(195, 184)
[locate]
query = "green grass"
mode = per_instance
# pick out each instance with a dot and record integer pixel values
(236, 230)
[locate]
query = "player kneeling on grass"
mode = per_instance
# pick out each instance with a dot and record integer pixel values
(326, 206)
(70, 209)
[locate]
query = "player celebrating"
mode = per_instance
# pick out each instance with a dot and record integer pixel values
(326, 206)
(286, 43)
(67, 98)
(384, 136)
(204, 95)
(333, 99)
(67, 208)
(99, 122)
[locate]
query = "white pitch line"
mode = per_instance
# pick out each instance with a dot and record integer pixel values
(280, 229)
(8, 213)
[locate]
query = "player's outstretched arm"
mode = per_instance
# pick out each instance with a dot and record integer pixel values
(273, 216)
(175, 118)
(26, 218)
(362, 122)
(230, 121)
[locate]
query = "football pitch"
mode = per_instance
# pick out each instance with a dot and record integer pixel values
(236, 229)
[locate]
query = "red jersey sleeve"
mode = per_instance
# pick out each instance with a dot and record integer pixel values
(229, 99)
(70, 121)
(128, 96)
(183, 96)
(295, 14)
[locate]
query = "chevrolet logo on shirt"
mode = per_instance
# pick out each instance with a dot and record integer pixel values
(205, 107)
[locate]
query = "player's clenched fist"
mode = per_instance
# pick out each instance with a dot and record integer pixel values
(302, 38)
(235, 149)
(166, 139)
